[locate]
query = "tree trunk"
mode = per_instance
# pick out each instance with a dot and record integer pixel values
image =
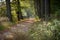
(43, 8)
(19, 13)
(47, 10)
(8, 10)
(37, 8)
(40, 8)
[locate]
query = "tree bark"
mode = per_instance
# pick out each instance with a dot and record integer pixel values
(43, 8)
(37, 8)
(19, 13)
(8, 10)
(47, 10)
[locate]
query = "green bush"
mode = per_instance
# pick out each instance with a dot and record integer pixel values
(2, 27)
(45, 31)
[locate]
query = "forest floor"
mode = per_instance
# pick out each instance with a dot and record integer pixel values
(22, 28)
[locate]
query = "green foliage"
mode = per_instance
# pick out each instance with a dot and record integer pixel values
(2, 27)
(25, 4)
(3, 11)
(45, 31)
(55, 8)
(55, 4)
(14, 16)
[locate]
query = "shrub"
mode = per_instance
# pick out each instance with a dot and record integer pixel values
(45, 30)
(2, 27)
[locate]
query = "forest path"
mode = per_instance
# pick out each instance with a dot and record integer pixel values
(20, 28)
(23, 26)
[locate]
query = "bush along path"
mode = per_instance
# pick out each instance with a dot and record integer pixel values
(18, 31)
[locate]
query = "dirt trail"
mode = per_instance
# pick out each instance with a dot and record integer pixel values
(22, 28)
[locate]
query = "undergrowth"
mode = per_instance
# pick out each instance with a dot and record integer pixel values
(45, 30)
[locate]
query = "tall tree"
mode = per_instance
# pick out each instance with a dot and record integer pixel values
(37, 8)
(8, 10)
(19, 13)
(43, 8)
(47, 10)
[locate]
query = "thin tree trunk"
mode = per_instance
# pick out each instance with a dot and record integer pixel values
(47, 10)
(37, 7)
(8, 10)
(40, 8)
(19, 13)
